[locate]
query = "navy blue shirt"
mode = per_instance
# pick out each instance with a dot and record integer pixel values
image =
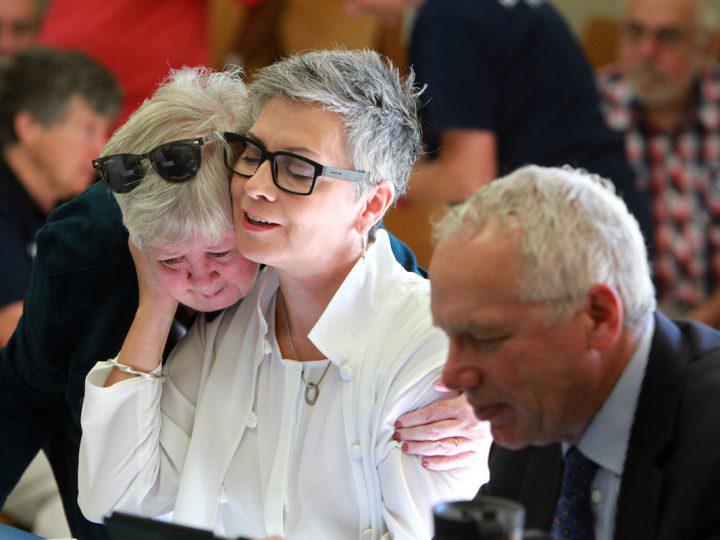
(20, 219)
(514, 68)
(78, 309)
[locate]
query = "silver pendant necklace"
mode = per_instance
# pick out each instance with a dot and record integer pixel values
(312, 390)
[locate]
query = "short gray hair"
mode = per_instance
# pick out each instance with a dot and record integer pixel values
(192, 102)
(378, 107)
(42, 81)
(575, 233)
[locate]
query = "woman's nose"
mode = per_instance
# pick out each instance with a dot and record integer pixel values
(260, 185)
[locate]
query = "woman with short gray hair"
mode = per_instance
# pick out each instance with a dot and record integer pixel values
(278, 417)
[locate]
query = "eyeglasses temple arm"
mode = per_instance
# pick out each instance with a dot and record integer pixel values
(343, 174)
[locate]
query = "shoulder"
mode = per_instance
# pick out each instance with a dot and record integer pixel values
(401, 329)
(83, 233)
(682, 385)
(703, 355)
(679, 428)
(395, 287)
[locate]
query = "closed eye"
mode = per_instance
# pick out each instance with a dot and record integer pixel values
(481, 343)
(172, 263)
(220, 254)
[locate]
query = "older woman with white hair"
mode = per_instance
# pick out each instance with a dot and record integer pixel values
(278, 417)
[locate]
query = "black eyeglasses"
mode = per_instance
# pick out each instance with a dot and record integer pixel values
(290, 172)
(176, 161)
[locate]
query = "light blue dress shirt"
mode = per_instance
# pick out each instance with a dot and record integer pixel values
(606, 439)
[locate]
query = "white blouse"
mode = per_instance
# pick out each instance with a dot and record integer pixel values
(227, 442)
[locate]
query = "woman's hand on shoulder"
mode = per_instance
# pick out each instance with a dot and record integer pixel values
(444, 433)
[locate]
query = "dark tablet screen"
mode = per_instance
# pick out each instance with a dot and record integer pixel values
(128, 527)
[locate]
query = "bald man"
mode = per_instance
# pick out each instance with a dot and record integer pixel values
(664, 96)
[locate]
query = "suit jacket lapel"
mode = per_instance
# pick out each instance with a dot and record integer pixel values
(639, 498)
(530, 476)
(540, 487)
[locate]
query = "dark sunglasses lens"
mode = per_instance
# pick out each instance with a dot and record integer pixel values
(176, 162)
(243, 157)
(122, 173)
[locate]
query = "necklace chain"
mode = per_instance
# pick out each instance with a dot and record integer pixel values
(312, 389)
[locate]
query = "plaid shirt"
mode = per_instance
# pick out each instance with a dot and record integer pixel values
(678, 170)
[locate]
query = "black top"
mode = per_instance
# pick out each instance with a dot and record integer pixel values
(514, 68)
(20, 219)
(78, 308)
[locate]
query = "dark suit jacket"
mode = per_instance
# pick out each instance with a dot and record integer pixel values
(78, 308)
(671, 483)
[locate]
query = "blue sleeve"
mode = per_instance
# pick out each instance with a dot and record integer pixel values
(448, 54)
(404, 255)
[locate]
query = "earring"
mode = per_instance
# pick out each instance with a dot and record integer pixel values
(364, 246)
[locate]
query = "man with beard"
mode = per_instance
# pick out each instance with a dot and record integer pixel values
(664, 96)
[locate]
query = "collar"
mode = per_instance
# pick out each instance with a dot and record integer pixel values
(343, 330)
(708, 104)
(605, 441)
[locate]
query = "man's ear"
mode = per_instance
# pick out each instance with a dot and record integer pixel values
(26, 127)
(377, 200)
(604, 311)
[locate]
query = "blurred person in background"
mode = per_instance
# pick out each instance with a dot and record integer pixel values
(55, 112)
(501, 75)
(137, 40)
(391, 11)
(663, 95)
(19, 20)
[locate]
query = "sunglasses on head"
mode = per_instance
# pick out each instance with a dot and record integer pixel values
(176, 161)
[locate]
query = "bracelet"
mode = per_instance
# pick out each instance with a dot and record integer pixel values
(127, 369)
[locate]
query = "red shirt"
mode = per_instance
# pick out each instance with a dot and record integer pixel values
(137, 40)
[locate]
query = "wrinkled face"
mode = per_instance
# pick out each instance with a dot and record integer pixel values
(662, 49)
(519, 372)
(204, 274)
(64, 150)
(303, 234)
(18, 26)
